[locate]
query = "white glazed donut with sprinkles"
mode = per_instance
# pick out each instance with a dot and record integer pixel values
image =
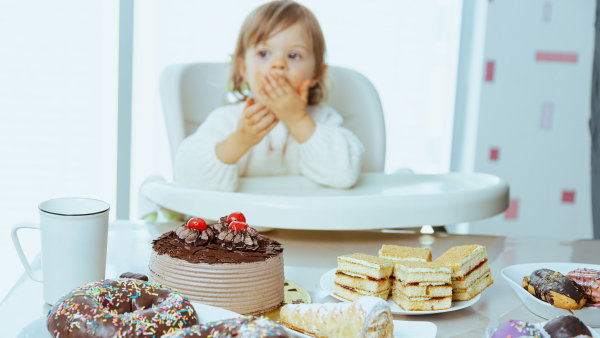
(123, 307)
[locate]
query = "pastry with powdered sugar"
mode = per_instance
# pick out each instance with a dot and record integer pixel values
(365, 317)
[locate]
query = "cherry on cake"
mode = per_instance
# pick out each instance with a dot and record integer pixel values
(226, 264)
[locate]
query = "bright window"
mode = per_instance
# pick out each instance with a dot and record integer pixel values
(58, 111)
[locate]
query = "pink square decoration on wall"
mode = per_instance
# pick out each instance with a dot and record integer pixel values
(494, 154)
(556, 57)
(513, 209)
(568, 196)
(489, 71)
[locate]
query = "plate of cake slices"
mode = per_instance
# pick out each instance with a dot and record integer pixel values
(328, 284)
(417, 285)
(552, 289)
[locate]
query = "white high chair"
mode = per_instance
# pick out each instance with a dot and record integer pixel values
(378, 200)
(190, 91)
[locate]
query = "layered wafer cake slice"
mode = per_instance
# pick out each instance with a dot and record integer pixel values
(422, 286)
(360, 275)
(405, 253)
(470, 270)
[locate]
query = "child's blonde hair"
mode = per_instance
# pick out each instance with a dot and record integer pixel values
(266, 21)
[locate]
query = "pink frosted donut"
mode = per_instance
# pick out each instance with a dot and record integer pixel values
(517, 328)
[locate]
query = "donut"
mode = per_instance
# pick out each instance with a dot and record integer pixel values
(236, 327)
(517, 328)
(120, 307)
(555, 288)
(589, 280)
(566, 326)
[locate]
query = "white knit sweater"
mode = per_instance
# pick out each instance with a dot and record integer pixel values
(332, 156)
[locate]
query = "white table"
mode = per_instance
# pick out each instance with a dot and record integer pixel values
(309, 254)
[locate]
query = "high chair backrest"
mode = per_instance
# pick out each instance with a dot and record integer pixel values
(190, 91)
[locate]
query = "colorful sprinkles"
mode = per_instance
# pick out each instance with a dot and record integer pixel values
(526, 328)
(121, 307)
(237, 327)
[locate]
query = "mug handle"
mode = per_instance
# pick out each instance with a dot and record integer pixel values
(15, 239)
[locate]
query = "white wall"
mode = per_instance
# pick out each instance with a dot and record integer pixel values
(408, 49)
(533, 115)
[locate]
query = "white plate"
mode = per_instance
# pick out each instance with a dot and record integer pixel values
(206, 313)
(402, 329)
(294, 202)
(327, 284)
(514, 276)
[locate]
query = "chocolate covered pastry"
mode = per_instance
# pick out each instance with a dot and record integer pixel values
(555, 288)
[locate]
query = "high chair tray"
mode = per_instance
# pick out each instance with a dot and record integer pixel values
(378, 200)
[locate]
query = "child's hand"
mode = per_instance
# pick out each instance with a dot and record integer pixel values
(255, 122)
(281, 98)
(289, 106)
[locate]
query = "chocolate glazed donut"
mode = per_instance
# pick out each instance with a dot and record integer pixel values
(555, 288)
(120, 307)
(566, 327)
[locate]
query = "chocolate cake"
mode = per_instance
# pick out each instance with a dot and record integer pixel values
(225, 264)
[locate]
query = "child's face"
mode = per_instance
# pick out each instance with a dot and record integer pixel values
(288, 53)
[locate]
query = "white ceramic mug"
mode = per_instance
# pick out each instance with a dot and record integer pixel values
(74, 232)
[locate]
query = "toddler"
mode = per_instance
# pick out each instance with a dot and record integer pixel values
(278, 127)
